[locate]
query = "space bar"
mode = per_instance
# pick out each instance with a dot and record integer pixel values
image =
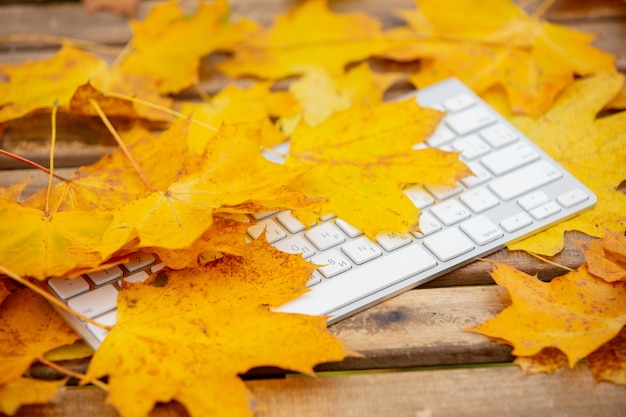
(361, 282)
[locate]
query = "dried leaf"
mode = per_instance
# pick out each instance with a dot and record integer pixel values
(23, 391)
(608, 363)
(218, 319)
(606, 257)
(575, 313)
(547, 361)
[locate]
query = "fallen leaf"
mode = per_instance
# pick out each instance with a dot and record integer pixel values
(575, 313)
(39, 245)
(362, 157)
(590, 148)
(606, 257)
(547, 361)
(168, 44)
(13, 192)
(496, 44)
(40, 84)
(219, 319)
(29, 327)
(23, 391)
(325, 40)
(608, 363)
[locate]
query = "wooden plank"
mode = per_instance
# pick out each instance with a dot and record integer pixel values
(486, 391)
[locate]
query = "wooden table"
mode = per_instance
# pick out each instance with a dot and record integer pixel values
(417, 359)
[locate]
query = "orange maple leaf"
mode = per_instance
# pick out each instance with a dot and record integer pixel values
(496, 44)
(190, 338)
(606, 257)
(608, 363)
(575, 313)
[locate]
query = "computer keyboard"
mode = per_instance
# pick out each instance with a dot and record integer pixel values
(516, 190)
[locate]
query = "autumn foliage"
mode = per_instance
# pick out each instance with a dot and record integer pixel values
(179, 190)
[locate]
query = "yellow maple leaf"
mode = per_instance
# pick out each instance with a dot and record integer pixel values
(322, 94)
(590, 148)
(575, 313)
(168, 44)
(42, 83)
(325, 40)
(40, 245)
(606, 257)
(29, 327)
(362, 157)
(25, 391)
(496, 44)
(13, 192)
(190, 338)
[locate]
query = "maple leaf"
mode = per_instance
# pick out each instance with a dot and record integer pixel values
(362, 157)
(168, 44)
(575, 313)
(606, 257)
(322, 94)
(590, 148)
(608, 363)
(237, 105)
(325, 40)
(496, 44)
(13, 192)
(40, 245)
(29, 327)
(219, 320)
(40, 84)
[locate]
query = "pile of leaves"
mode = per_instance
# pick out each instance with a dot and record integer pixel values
(181, 192)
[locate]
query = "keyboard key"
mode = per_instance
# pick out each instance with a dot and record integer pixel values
(471, 147)
(440, 136)
(68, 287)
(296, 244)
(481, 175)
(140, 276)
(470, 120)
(325, 236)
(428, 225)
(547, 210)
(460, 102)
(289, 222)
(524, 180)
(571, 198)
(508, 159)
(420, 198)
(441, 192)
(482, 230)
(516, 222)
(347, 228)
(139, 261)
(391, 241)
(450, 212)
(273, 232)
(96, 302)
(108, 319)
(315, 279)
(157, 267)
(363, 281)
(532, 200)
(448, 244)
(105, 276)
(479, 199)
(334, 263)
(498, 135)
(361, 250)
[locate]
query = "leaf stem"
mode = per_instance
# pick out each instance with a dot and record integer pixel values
(51, 299)
(59, 40)
(53, 141)
(31, 163)
(71, 373)
(541, 258)
(121, 144)
(163, 109)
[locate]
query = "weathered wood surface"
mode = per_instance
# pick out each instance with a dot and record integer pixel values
(422, 328)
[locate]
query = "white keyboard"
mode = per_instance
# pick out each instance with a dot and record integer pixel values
(517, 190)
